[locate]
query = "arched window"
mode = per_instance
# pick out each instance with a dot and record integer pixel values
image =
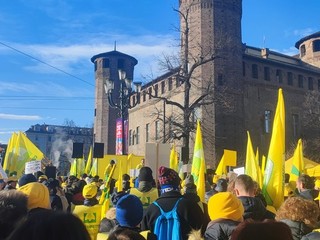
(302, 50)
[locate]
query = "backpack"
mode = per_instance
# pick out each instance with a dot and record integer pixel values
(167, 225)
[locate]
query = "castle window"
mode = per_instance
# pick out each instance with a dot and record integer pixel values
(279, 76)
(300, 81)
(120, 63)
(95, 66)
(316, 45)
(295, 125)
(133, 137)
(130, 137)
(310, 83)
(156, 90)
(290, 78)
(254, 70)
(178, 82)
(150, 92)
(105, 63)
(267, 73)
(144, 94)
(170, 84)
(302, 50)
(138, 135)
(163, 85)
(267, 121)
(157, 126)
(147, 132)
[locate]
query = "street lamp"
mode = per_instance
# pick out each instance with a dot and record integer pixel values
(120, 98)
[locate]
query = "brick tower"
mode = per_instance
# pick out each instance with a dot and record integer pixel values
(215, 30)
(106, 67)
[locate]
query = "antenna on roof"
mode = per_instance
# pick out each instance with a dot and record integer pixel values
(115, 45)
(264, 41)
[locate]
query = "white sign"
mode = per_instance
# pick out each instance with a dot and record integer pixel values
(32, 167)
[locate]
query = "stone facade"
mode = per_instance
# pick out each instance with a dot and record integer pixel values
(247, 77)
(252, 77)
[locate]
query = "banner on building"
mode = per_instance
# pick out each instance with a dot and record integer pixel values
(119, 140)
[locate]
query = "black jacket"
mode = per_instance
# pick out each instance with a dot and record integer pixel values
(195, 198)
(255, 209)
(220, 229)
(191, 215)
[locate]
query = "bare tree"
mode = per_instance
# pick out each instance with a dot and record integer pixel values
(198, 94)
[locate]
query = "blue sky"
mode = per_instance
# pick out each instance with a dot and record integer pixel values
(67, 33)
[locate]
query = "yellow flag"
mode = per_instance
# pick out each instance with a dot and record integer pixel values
(80, 167)
(120, 174)
(260, 174)
(89, 162)
(9, 158)
(73, 168)
(94, 168)
(263, 164)
(222, 167)
(229, 158)
(174, 159)
(199, 164)
(273, 184)
(297, 162)
(25, 151)
(251, 167)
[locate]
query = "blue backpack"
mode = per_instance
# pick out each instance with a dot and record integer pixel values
(167, 225)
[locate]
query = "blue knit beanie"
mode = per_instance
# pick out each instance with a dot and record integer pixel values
(129, 211)
(26, 178)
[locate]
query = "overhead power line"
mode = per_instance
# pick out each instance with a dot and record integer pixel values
(45, 63)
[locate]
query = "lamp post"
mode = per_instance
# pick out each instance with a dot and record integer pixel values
(123, 101)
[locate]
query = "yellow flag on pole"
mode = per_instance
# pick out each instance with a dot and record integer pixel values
(229, 158)
(297, 162)
(252, 166)
(89, 162)
(174, 158)
(260, 174)
(273, 184)
(94, 168)
(263, 164)
(25, 151)
(73, 168)
(9, 158)
(198, 164)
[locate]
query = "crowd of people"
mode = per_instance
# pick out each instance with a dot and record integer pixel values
(37, 207)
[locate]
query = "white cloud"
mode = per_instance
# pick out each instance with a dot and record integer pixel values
(44, 88)
(73, 58)
(19, 117)
(303, 32)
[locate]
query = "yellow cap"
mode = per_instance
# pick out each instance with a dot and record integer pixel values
(90, 190)
(38, 195)
(225, 205)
